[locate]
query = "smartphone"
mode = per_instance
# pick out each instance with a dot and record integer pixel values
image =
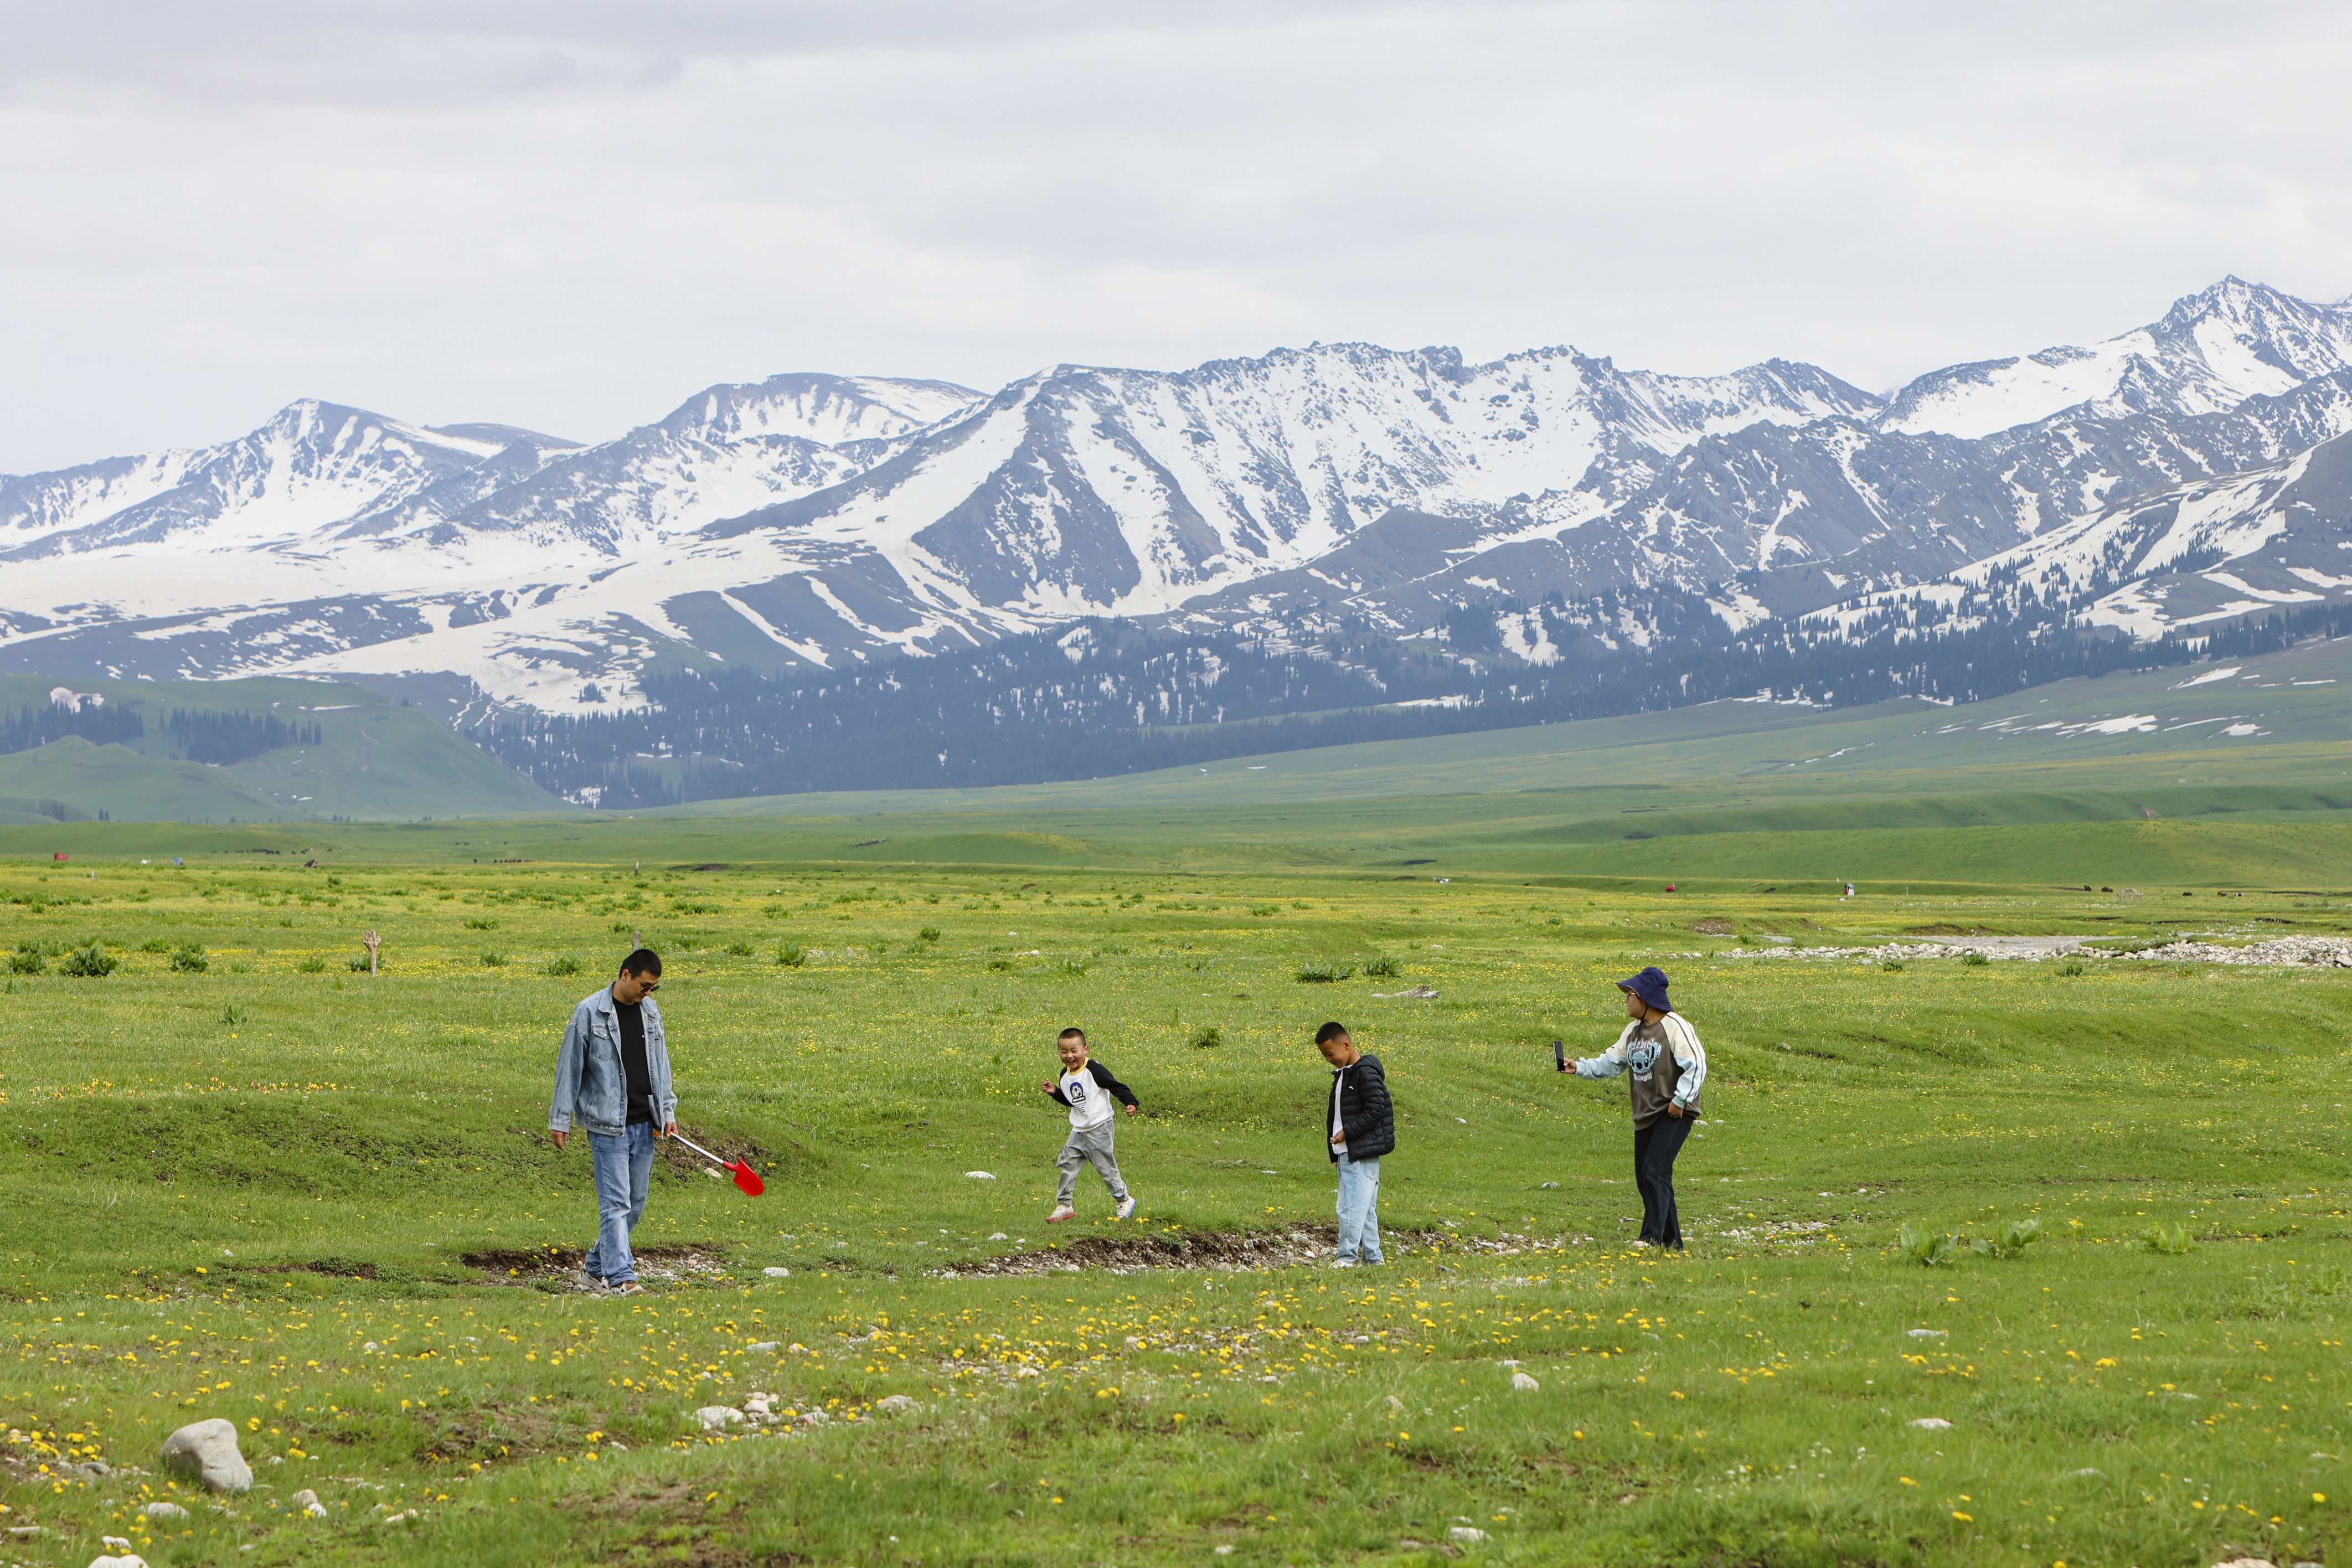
(1558, 1056)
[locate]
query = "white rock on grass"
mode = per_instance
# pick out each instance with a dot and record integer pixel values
(716, 1417)
(1925, 1333)
(308, 1502)
(980, 1175)
(2247, 1562)
(127, 1560)
(165, 1510)
(894, 1404)
(1932, 1424)
(207, 1450)
(1521, 1382)
(1467, 1534)
(777, 1271)
(762, 1347)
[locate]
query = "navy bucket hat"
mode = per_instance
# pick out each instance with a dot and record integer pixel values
(1649, 987)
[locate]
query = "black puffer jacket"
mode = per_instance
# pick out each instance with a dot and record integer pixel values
(1365, 1114)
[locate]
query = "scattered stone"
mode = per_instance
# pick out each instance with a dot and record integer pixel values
(2247, 1562)
(813, 1417)
(1925, 1333)
(114, 1542)
(370, 1348)
(308, 1502)
(1394, 1403)
(1467, 1534)
(998, 1236)
(1932, 1424)
(403, 1517)
(1227, 1549)
(716, 1417)
(1416, 993)
(777, 1271)
(165, 1510)
(892, 1404)
(207, 1450)
(1548, 1187)
(762, 1347)
(1522, 1383)
(127, 1560)
(2087, 1473)
(979, 1176)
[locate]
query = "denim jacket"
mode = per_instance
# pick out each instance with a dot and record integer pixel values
(591, 1082)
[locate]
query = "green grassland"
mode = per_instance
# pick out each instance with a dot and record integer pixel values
(311, 1200)
(374, 759)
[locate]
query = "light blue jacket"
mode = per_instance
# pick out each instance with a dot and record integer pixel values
(592, 1084)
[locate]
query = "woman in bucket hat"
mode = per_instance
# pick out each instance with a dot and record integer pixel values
(1668, 1065)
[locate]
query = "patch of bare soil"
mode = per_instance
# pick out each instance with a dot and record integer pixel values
(1227, 1251)
(1714, 925)
(538, 1265)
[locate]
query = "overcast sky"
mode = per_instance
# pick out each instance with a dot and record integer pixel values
(570, 214)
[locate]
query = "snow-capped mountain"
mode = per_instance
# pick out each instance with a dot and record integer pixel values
(2211, 351)
(819, 520)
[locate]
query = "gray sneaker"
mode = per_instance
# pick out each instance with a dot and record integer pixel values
(1126, 1205)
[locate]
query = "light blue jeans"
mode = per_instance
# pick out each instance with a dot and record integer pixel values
(1359, 1210)
(625, 1168)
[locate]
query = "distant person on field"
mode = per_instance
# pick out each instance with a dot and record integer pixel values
(1362, 1126)
(1087, 1088)
(612, 1075)
(1662, 1051)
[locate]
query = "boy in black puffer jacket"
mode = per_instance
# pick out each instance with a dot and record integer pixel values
(1361, 1125)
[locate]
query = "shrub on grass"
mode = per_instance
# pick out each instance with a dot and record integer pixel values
(2172, 1240)
(557, 968)
(313, 964)
(494, 961)
(1208, 1038)
(1929, 1249)
(1892, 965)
(1975, 960)
(189, 959)
(2073, 969)
(90, 962)
(792, 955)
(1383, 968)
(738, 950)
(155, 944)
(928, 934)
(2015, 1238)
(1324, 973)
(27, 959)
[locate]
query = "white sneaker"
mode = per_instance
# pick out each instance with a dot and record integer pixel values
(1126, 1205)
(1060, 1214)
(1343, 1263)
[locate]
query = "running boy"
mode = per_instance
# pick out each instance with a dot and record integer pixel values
(1088, 1089)
(1669, 1067)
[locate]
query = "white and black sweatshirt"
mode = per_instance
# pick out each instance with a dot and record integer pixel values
(1088, 1092)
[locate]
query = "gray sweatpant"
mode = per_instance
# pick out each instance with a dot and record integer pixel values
(1090, 1146)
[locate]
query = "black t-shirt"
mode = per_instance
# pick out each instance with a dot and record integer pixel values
(632, 1059)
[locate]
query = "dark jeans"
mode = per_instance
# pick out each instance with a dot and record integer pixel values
(1654, 1148)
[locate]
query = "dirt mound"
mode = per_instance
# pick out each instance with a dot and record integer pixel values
(534, 1264)
(1714, 925)
(1219, 1249)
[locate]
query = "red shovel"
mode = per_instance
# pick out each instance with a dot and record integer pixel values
(745, 1177)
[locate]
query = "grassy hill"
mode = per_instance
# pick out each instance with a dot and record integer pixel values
(373, 758)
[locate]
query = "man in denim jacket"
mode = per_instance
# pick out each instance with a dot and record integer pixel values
(612, 1075)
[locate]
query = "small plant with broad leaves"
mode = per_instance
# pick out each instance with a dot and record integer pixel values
(2010, 1242)
(792, 955)
(928, 934)
(1383, 968)
(2172, 1240)
(189, 959)
(558, 968)
(1892, 965)
(313, 964)
(27, 959)
(1928, 1249)
(2073, 969)
(738, 950)
(494, 961)
(1974, 960)
(1324, 973)
(1208, 1037)
(90, 962)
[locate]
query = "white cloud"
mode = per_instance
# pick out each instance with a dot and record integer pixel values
(573, 215)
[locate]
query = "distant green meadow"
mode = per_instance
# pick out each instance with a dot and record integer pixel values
(247, 1179)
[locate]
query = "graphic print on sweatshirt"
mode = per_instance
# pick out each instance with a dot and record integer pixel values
(1089, 1106)
(1641, 1056)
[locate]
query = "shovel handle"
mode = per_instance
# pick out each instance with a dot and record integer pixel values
(682, 1137)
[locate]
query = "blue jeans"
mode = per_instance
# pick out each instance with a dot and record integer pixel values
(1360, 1205)
(624, 1163)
